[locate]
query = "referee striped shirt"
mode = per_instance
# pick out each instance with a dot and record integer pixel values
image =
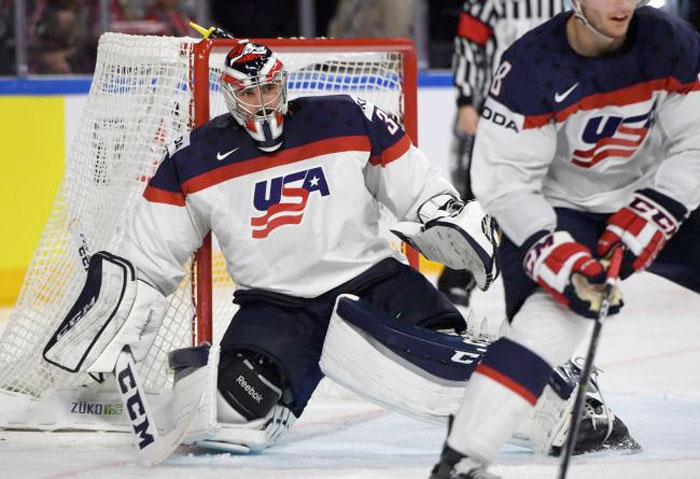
(485, 30)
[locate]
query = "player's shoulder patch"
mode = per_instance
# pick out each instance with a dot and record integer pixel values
(178, 144)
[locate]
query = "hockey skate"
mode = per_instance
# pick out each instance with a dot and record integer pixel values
(600, 429)
(455, 465)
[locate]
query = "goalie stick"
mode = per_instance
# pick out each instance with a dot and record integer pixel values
(153, 447)
(611, 280)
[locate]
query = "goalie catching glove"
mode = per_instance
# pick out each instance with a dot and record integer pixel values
(566, 269)
(458, 235)
(115, 309)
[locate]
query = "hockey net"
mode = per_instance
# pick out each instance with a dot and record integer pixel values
(145, 94)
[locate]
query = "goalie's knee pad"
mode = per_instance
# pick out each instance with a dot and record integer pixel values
(241, 409)
(249, 386)
(406, 368)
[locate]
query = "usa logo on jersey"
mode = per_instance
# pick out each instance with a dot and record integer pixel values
(612, 135)
(283, 199)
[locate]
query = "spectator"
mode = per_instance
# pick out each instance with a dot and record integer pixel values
(247, 20)
(372, 18)
(174, 22)
(7, 43)
(53, 36)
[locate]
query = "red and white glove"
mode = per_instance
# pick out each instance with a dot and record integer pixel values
(643, 227)
(567, 270)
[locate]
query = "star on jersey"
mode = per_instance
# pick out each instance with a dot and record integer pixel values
(273, 197)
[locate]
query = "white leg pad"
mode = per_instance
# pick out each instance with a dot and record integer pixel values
(360, 363)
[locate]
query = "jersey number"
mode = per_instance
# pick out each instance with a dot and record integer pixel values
(390, 124)
(498, 77)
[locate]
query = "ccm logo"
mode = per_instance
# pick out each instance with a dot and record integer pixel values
(134, 406)
(464, 357)
(654, 213)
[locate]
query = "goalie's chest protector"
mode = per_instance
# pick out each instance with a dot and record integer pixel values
(304, 211)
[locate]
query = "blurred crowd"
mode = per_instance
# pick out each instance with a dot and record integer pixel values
(61, 35)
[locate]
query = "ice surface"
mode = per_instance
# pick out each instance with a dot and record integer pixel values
(651, 360)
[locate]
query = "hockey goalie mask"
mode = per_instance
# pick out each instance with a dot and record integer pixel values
(253, 82)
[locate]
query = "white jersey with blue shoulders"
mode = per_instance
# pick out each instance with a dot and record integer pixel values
(563, 130)
(299, 221)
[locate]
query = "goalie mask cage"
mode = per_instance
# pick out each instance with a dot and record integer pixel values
(147, 92)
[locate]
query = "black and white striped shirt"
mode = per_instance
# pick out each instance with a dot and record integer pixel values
(486, 29)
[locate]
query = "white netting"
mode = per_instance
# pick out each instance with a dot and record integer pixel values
(140, 99)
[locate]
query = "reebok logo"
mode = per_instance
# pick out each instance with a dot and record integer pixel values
(220, 157)
(560, 97)
(250, 390)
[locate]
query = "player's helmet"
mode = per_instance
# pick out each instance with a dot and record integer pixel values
(253, 82)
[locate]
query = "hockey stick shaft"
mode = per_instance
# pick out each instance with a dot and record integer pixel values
(612, 275)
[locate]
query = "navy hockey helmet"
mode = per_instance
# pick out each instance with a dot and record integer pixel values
(253, 82)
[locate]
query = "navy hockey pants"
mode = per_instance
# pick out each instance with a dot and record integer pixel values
(291, 330)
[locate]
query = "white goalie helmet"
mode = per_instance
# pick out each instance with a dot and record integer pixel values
(254, 84)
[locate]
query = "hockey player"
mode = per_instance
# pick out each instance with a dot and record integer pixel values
(589, 140)
(484, 31)
(291, 189)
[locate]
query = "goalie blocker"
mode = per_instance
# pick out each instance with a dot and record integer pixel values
(114, 310)
(422, 374)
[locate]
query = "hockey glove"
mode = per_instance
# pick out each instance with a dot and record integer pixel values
(643, 227)
(115, 309)
(458, 235)
(567, 270)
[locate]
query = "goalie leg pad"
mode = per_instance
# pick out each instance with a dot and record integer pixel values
(406, 368)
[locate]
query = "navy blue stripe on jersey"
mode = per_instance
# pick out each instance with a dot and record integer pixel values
(661, 53)
(164, 187)
(220, 150)
(516, 368)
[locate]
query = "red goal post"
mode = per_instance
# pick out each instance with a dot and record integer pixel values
(201, 78)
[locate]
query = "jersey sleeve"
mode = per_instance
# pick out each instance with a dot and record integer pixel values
(398, 174)
(512, 154)
(474, 50)
(163, 231)
(679, 174)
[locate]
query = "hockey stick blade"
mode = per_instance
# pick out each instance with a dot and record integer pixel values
(153, 448)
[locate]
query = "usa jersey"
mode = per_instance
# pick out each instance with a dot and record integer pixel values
(299, 221)
(563, 130)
